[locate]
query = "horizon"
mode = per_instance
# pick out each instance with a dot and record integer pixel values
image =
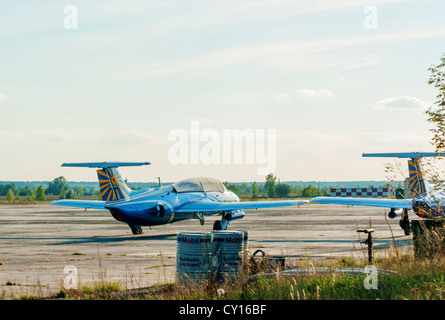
(232, 182)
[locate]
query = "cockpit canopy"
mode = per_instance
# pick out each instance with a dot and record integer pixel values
(200, 184)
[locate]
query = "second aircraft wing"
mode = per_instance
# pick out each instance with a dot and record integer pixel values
(370, 202)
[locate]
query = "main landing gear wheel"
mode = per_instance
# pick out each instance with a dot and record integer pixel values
(405, 223)
(136, 229)
(217, 225)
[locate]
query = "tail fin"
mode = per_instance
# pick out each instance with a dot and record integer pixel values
(416, 183)
(418, 186)
(112, 185)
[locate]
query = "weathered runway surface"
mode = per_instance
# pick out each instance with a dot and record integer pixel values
(38, 242)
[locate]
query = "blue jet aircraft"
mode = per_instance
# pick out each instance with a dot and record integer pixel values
(188, 199)
(426, 201)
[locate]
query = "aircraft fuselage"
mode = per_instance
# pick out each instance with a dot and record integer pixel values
(157, 206)
(431, 206)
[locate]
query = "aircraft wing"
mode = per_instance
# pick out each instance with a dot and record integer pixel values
(370, 202)
(211, 206)
(87, 204)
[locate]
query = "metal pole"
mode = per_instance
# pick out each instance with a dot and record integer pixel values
(368, 242)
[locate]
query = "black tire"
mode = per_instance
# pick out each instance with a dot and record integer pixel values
(217, 225)
(136, 229)
(405, 224)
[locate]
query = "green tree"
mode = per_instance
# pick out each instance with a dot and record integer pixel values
(92, 191)
(326, 191)
(4, 189)
(310, 191)
(40, 193)
(10, 197)
(436, 116)
(255, 191)
(282, 190)
(232, 187)
(57, 186)
(436, 113)
(69, 194)
(26, 191)
(79, 191)
(298, 191)
(244, 188)
(270, 185)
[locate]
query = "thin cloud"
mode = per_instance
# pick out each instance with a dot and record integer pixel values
(290, 56)
(401, 102)
(3, 97)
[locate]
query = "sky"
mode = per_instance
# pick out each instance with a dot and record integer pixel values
(325, 81)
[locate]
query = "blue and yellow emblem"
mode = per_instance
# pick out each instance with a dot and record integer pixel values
(112, 185)
(415, 180)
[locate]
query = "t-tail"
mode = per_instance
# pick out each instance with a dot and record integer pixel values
(111, 183)
(418, 186)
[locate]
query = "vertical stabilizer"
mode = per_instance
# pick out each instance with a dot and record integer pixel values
(112, 185)
(416, 183)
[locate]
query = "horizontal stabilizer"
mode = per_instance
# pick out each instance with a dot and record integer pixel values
(86, 204)
(105, 164)
(412, 155)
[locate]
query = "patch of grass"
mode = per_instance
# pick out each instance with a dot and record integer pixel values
(103, 290)
(162, 265)
(414, 280)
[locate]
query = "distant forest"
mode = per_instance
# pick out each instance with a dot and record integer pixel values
(38, 190)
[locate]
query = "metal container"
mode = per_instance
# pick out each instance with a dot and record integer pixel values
(227, 251)
(193, 256)
(245, 240)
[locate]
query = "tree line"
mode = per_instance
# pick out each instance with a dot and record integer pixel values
(271, 189)
(58, 187)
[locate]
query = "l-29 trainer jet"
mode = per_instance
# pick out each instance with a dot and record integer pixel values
(192, 198)
(426, 202)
